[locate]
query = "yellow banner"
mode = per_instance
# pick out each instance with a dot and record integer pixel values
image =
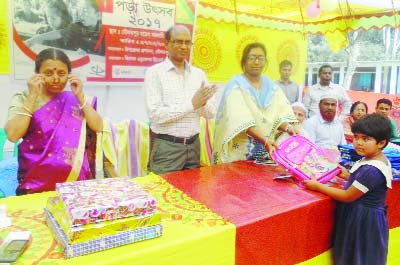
(4, 55)
(218, 49)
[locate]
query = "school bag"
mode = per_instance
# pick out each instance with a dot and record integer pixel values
(303, 159)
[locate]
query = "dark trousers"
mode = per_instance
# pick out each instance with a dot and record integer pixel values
(167, 156)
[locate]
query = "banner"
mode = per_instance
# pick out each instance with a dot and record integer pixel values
(4, 56)
(218, 49)
(107, 41)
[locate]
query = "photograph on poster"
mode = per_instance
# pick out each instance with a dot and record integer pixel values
(71, 25)
(107, 40)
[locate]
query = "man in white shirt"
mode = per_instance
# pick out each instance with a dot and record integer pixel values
(326, 87)
(324, 128)
(177, 94)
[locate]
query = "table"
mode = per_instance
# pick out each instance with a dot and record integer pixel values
(227, 214)
(277, 222)
(192, 234)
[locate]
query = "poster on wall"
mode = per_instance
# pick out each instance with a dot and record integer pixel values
(106, 40)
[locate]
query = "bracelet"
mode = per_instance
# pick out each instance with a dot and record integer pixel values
(24, 114)
(27, 109)
(83, 105)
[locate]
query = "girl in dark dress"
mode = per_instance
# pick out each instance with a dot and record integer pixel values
(361, 228)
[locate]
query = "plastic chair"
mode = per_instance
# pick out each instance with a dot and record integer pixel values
(8, 168)
(3, 139)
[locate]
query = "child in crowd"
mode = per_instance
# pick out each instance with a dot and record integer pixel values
(361, 228)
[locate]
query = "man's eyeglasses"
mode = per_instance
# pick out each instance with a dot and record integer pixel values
(253, 58)
(181, 42)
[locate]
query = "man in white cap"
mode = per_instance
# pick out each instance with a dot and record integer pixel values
(324, 128)
(325, 87)
(300, 111)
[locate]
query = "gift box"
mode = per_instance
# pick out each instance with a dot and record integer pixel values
(92, 231)
(99, 244)
(99, 200)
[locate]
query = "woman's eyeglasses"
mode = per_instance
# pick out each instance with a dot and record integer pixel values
(182, 42)
(253, 58)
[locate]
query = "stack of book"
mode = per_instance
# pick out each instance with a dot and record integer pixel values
(94, 215)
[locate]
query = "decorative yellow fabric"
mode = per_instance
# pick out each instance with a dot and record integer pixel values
(184, 12)
(192, 233)
(291, 15)
(4, 55)
(126, 145)
(276, 21)
(206, 136)
(337, 40)
(218, 48)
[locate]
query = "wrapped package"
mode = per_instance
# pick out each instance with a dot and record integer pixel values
(99, 200)
(95, 230)
(103, 243)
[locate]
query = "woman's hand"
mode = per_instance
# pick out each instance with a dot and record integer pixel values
(77, 88)
(35, 85)
(293, 130)
(270, 147)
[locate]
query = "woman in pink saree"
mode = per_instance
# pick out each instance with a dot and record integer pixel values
(54, 125)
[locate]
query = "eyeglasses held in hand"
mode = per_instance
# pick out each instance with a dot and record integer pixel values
(181, 42)
(253, 58)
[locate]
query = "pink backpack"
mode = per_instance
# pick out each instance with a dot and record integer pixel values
(304, 159)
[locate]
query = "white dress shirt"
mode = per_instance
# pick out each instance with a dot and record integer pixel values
(313, 96)
(324, 133)
(169, 94)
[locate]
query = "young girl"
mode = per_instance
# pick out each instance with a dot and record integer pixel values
(361, 229)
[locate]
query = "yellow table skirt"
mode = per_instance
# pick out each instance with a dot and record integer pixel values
(192, 233)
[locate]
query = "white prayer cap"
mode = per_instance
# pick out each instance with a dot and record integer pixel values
(328, 96)
(300, 105)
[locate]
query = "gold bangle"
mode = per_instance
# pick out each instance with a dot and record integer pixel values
(27, 109)
(24, 114)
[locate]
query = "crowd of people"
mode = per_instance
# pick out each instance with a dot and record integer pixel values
(58, 130)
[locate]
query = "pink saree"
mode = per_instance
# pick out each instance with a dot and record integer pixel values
(55, 147)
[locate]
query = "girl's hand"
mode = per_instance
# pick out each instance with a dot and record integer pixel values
(312, 184)
(36, 84)
(344, 173)
(76, 88)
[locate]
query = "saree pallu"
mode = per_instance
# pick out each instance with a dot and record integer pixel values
(57, 146)
(347, 123)
(243, 107)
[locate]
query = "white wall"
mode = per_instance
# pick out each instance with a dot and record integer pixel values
(114, 101)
